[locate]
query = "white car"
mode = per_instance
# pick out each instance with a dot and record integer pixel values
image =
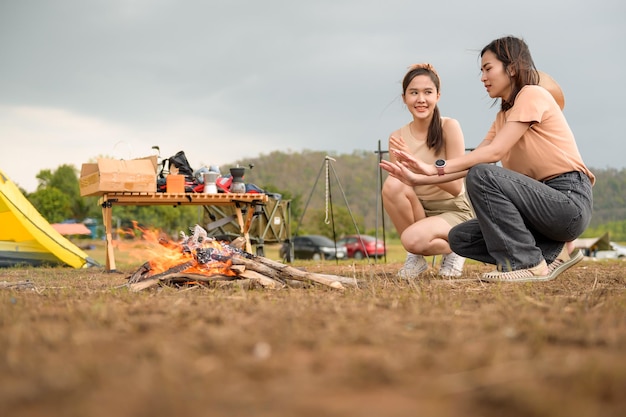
(620, 251)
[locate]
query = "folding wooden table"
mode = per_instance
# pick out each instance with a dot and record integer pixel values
(237, 201)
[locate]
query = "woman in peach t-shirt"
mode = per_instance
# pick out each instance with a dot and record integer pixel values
(541, 196)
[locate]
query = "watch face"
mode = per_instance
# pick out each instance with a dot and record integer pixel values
(440, 163)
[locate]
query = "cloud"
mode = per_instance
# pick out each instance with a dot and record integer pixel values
(275, 75)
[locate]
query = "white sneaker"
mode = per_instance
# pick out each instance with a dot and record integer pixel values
(451, 265)
(413, 266)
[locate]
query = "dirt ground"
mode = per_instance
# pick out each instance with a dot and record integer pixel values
(79, 343)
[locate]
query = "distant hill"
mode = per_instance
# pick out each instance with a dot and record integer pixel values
(609, 196)
(355, 176)
(302, 176)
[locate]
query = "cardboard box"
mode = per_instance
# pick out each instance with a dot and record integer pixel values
(114, 175)
(175, 184)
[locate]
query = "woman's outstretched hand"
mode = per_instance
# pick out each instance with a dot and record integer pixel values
(413, 164)
(398, 144)
(403, 174)
(404, 166)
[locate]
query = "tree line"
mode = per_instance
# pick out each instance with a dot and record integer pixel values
(331, 194)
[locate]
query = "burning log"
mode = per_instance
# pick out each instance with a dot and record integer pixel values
(177, 278)
(201, 260)
(268, 273)
(284, 272)
(264, 281)
(139, 275)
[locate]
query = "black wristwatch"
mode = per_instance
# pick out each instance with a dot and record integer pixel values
(440, 164)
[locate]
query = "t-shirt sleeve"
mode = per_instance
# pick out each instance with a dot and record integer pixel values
(492, 132)
(531, 105)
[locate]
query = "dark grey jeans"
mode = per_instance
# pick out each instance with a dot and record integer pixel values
(520, 221)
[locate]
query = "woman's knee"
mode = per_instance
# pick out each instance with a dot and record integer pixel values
(479, 176)
(395, 191)
(454, 239)
(477, 173)
(463, 235)
(414, 242)
(392, 187)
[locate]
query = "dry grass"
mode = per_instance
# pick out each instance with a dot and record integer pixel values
(77, 343)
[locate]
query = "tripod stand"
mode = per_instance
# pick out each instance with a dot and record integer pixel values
(379, 190)
(327, 169)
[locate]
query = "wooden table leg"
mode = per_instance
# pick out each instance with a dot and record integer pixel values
(107, 220)
(246, 227)
(242, 227)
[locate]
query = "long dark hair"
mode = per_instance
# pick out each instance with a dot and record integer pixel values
(515, 56)
(434, 137)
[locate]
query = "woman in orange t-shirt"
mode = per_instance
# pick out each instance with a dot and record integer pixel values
(541, 196)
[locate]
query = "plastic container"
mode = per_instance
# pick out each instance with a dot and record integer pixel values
(175, 184)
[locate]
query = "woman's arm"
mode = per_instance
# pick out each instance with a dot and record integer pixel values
(402, 173)
(489, 151)
(455, 147)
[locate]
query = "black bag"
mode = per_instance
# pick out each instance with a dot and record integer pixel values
(179, 161)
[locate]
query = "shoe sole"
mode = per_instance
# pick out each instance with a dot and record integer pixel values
(412, 275)
(454, 275)
(575, 257)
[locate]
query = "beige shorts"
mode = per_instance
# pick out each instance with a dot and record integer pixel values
(453, 210)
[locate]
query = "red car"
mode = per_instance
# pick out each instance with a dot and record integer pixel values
(360, 246)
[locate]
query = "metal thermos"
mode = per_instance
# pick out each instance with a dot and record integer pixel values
(209, 182)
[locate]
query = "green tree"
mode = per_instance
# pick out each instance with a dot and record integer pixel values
(338, 220)
(300, 177)
(617, 231)
(63, 180)
(53, 204)
(170, 219)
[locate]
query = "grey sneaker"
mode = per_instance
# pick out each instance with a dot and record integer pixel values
(451, 265)
(413, 266)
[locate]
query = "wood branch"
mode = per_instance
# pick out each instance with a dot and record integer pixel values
(352, 282)
(263, 280)
(238, 243)
(17, 285)
(142, 285)
(250, 265)
(244, 284)
(198, 277)
(238, 269)
(140, 273)
(245, 267)
(138, 281)
(276, 269)
(294, 272)
(143, 271)
(178, 277)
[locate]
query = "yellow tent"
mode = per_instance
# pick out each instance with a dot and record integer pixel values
(26, 238)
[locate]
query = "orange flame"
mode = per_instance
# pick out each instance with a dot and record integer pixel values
(164, 254)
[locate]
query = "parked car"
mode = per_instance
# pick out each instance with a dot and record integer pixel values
(360, 246)
(313, 247)
(620, 251)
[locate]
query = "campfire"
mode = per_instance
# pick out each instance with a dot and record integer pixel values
(201, 260)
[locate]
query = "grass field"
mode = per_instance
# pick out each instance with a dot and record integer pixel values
(79, 343)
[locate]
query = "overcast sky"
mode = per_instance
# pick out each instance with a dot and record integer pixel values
(232, 79)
